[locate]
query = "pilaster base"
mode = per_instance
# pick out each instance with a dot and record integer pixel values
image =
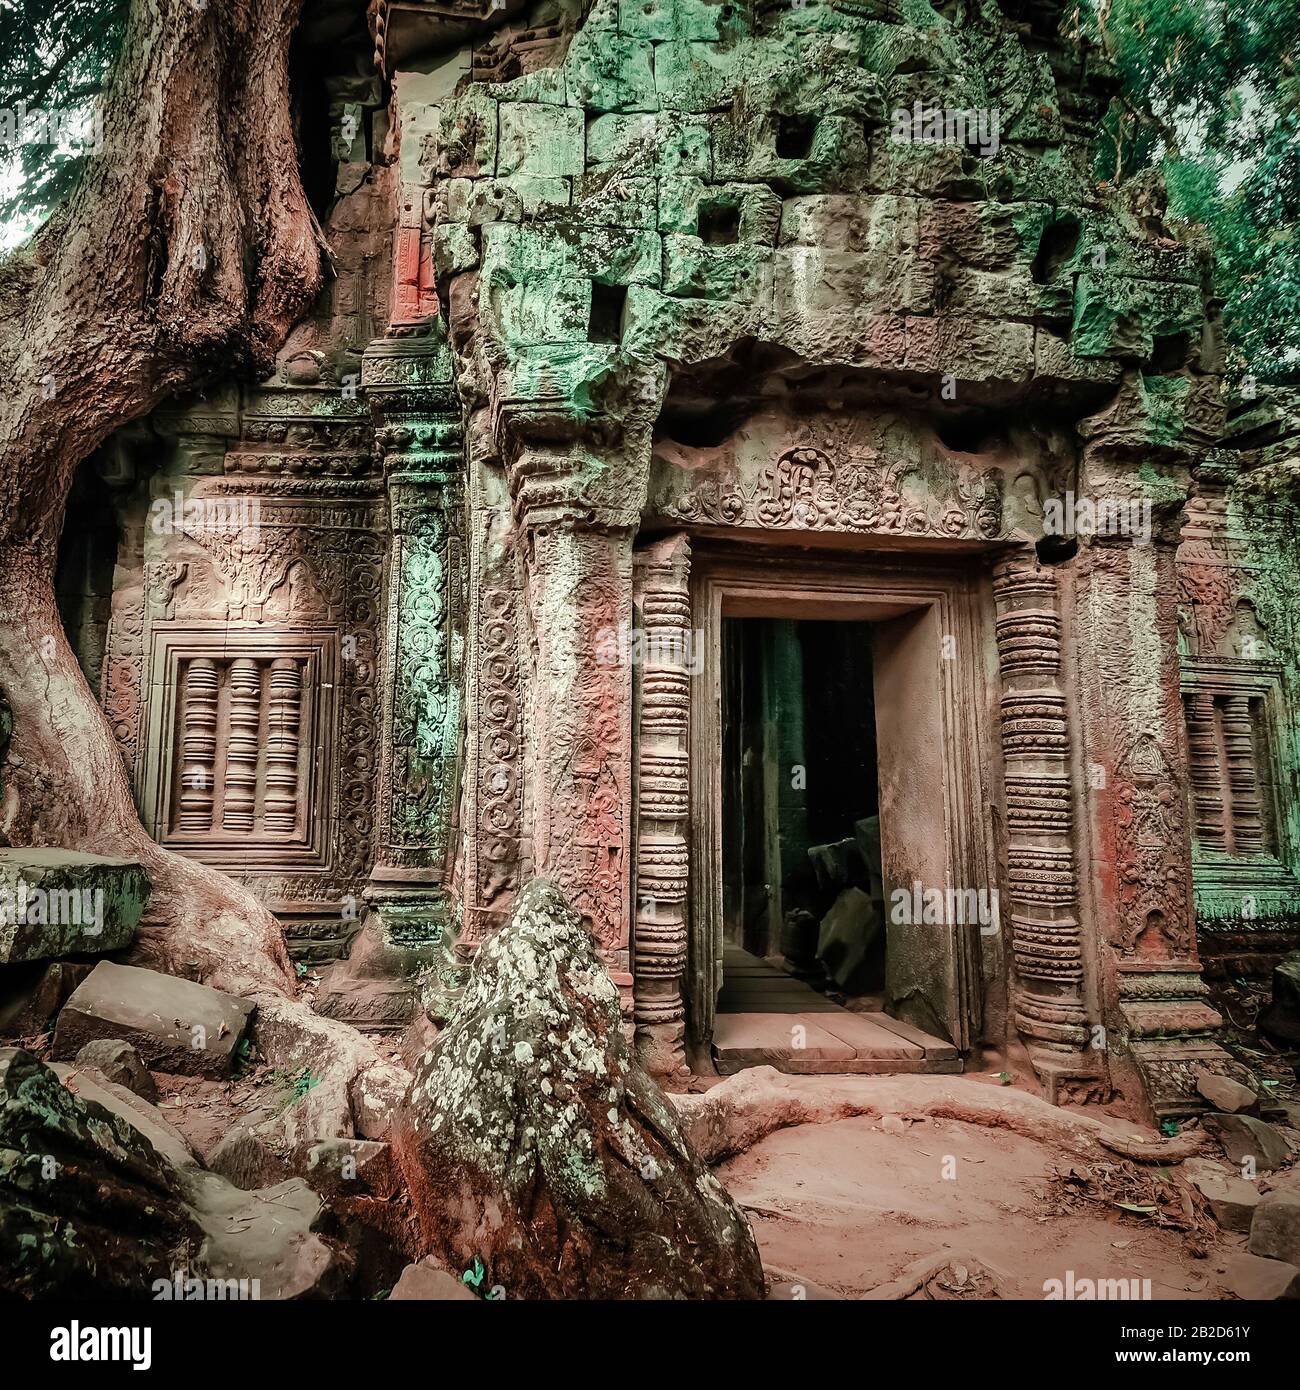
(402, 962)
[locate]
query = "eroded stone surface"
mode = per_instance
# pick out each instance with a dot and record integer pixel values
(534, 1141)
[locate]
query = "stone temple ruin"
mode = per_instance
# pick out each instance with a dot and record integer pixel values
(731, 430)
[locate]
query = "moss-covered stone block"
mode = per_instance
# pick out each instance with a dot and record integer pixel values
(466, 143)
(56, 902)
(540, 141)
(546, 309)
(720, 211)
(665, 20)
(691, 330)
(455, 248)
(693, 269)
(800, 152)
(615, 200)
(612, 72)
(1121, 316)
(540, 197)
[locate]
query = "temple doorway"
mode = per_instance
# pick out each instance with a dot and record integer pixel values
(805, 918)
(831, 747)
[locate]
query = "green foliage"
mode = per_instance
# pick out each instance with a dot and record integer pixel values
(1210, 94)
(55, 55)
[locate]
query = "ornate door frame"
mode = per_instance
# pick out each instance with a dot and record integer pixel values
(856, 587)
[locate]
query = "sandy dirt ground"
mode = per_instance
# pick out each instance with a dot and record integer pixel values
(849, 1205)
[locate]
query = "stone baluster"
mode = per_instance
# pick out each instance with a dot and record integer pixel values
(1204, 770)
(1243, 776)
(280, 816)
(198, 747)
(242, 748)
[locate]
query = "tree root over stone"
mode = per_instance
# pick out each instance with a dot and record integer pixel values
(730, 1117)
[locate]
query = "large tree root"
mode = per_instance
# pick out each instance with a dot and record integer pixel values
(730, 1117)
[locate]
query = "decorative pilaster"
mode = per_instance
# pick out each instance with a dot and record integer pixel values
(409, 385)
(1159, 1025)
(661, 592)
(412, 930)
(1042, 882)
(577, 487)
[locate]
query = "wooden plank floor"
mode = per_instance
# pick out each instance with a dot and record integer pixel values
(768, 1018)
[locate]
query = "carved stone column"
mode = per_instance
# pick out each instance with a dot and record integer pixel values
(661, 592)
(408, 382)
(1041, 873)
(580, 592)
(578, 484)
(1159, 1025)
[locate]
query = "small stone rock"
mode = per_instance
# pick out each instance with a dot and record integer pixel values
(352, 1168)
(175, 1025)
(428, 1281)
(56, 902)
(1229, 1097)
(1257, 1280)
(120, 1063)
(1232, 1200)
(243, 1157)
(1243, 1136)
(1275, 1231)
(893, 1124)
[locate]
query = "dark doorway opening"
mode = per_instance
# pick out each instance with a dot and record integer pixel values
(802, 886)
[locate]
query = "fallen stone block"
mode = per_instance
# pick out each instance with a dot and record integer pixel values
(353, 1168)
(245, 1158)
(867, 834)
(131, 1210)
(848, 932)
(121, 1064)
(427, 1280)
(1275, 1231)
(1227, 1096)
(267, 1237)
(1282, 1017)
(1244, 1137)
(1258, 1280)
(56, 902)
(108, 1219)
(837, 865)
(175, 1025)
(92, 1086)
